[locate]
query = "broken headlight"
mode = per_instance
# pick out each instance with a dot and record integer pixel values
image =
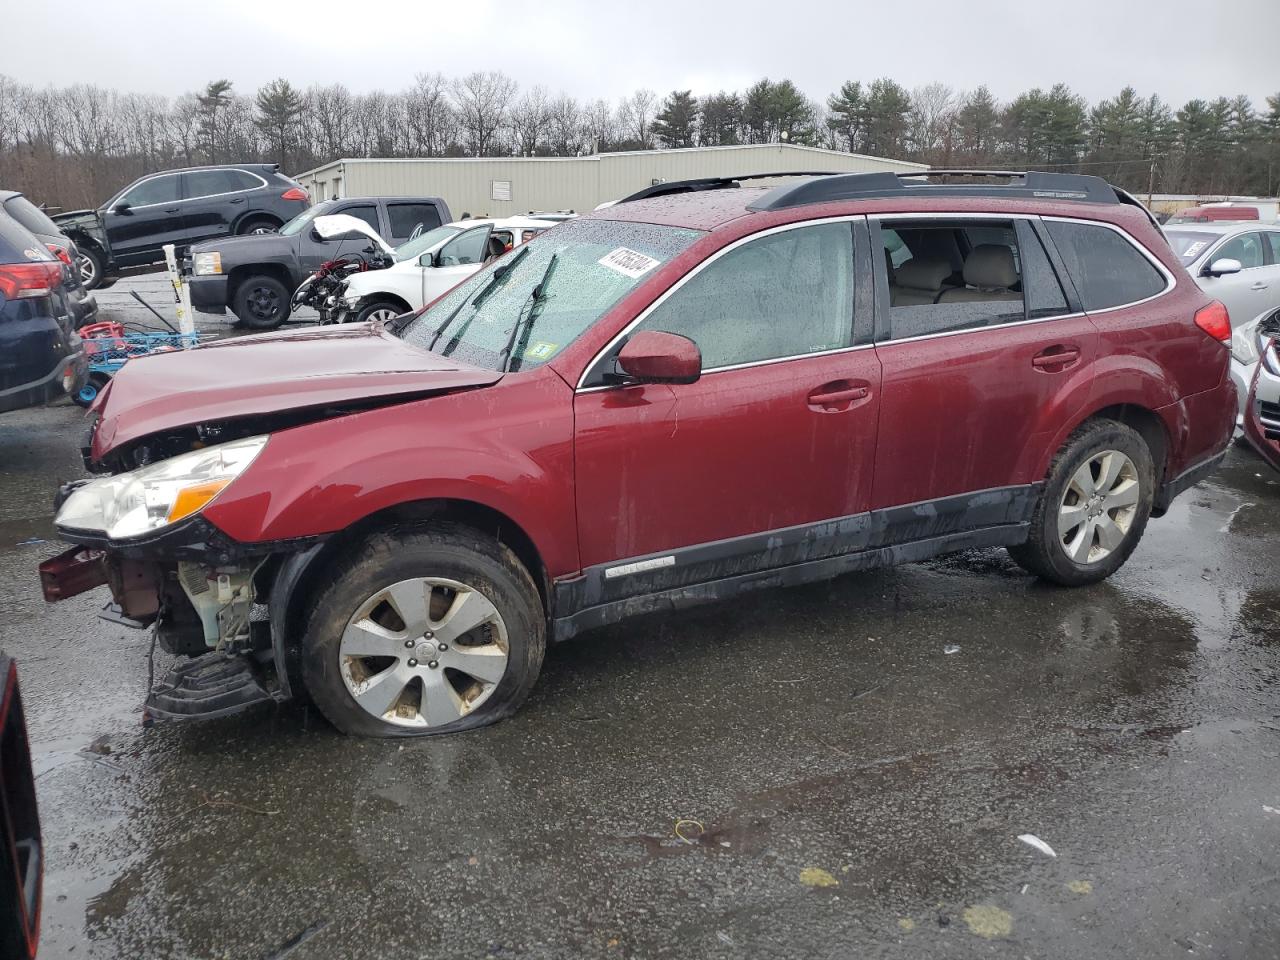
(140, 501)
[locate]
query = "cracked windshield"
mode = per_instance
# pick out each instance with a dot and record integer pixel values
(528, 306)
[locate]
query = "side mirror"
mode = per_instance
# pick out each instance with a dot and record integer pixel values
(1223, 266)
(427, 260)
(315, 235)
(653, 356)
(123, 208)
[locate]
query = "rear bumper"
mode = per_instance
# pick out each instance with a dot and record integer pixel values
(66, 377)
(208, 294)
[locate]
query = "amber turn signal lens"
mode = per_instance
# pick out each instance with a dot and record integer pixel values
(193, 499)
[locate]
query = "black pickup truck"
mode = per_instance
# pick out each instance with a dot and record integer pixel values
(256, 276)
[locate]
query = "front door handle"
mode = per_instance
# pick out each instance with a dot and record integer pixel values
(838, 395)
(1259, 285)
(171, 209)
(1057, 358)
(236, 200)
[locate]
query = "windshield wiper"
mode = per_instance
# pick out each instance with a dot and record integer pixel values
(499, 274)
(537, 300)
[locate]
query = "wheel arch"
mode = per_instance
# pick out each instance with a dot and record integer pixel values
(298, 575)
(1149, 424)
(255, 215)
(244, 272)
(384, 296)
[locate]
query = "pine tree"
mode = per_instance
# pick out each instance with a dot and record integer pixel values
(847, 115)
(217, 96)
(978, 120)
(279, 108)
(721, 116)
(676, 123)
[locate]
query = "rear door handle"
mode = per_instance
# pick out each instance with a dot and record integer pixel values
(171, 209)
(839, 395)
(1056, 358)
(236, 200)
(1259, 286)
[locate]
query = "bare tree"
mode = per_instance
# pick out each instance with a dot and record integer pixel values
(599, 125)
(431, 121)
(564, 126)
(932, 121)
(530, 121)
(635, 116)
(482, 100)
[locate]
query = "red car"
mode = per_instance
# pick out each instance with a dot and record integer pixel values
(707, 390)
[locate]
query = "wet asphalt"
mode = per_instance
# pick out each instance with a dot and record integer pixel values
(801, 773)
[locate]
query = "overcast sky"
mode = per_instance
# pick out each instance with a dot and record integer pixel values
(1177, 48)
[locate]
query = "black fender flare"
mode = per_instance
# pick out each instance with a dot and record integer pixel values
(285, 636)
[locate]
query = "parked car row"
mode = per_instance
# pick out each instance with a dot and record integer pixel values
(670, 401)
(256, 276)
(41, 356)
(180, 207)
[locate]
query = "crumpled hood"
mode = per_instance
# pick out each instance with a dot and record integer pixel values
(271, 373)
(77, 218)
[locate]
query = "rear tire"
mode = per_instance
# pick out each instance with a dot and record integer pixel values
(1094, 507)
(364, 648)
(92, 266)
(261, 303)
(258, 225)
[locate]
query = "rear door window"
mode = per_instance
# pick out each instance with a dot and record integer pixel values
(411, 219)
(209, 183)
(1107, 269)
(965, 275)
(17, 245)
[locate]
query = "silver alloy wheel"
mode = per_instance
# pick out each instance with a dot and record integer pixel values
(88, 269)
(1098, 507)
(384, 314)
(259, 231)
(423, 652)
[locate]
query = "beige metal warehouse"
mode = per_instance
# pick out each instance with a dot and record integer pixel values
(502, 186)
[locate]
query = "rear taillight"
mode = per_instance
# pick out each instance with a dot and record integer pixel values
(294, 193)
(58, 252)
(1215, 321)
(21, 280)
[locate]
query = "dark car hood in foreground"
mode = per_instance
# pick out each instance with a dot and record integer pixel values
(271, 373)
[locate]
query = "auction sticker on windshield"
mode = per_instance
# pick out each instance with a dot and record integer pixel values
(628, 262)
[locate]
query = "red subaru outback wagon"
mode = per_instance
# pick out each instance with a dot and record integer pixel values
(703, 390)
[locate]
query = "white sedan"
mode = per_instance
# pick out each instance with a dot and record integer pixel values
(431, 264)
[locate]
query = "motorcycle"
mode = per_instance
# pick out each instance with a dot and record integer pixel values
(320, 290)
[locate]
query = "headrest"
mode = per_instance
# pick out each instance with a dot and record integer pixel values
(923, 273)
(990, 267)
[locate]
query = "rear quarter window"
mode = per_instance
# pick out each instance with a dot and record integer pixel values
(1107, 269)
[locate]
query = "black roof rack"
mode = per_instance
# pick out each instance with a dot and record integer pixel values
(867, 186)
(715, 183)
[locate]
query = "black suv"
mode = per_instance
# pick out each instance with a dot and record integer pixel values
(256, 276)
(180, 207)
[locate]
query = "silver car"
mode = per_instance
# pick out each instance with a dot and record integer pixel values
(1262, 425)
(1237, 263)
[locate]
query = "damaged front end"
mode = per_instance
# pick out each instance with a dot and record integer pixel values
(203, 594)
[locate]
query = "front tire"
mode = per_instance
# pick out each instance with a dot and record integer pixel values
(379, 310)
(1094, 508)
(261, 303)
(423, 631)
